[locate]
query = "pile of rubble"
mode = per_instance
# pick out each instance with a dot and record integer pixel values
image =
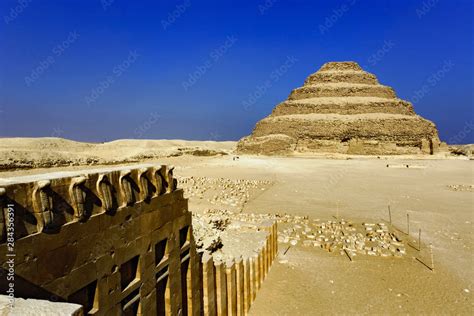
(461, 187)
(225, 230)
(349, 238)
(216, 228)
(344, 236)
(226, 235)
(221, 191)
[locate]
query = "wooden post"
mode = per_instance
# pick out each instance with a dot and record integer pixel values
(408, 224)
(419, 239)
(389, 214)
(432, 259)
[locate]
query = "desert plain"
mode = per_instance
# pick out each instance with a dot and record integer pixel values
(436, 191)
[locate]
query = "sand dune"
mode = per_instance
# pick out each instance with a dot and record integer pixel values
(19, 153)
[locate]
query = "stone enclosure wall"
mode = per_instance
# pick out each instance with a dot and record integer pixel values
(117, 241)
(230, 288)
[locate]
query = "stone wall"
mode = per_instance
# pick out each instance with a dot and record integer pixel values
(114, 240)
(230, 288)
(117, 241)
(25, 307)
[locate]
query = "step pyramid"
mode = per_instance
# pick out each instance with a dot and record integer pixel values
(343, 109)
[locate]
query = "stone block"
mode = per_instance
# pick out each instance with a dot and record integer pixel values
(247, 285)
(209, 286)
(231, 288)
(240, 286)
(221, 289)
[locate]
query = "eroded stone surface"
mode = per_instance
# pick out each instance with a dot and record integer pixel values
(343, 109)
(32, 307)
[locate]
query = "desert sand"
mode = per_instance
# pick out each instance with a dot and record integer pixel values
(27, 153)
(436, 192)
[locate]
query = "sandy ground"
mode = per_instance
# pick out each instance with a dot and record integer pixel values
(308, 280)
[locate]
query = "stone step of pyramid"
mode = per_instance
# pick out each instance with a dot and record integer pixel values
(341, 66)
(343, 109)
(371, 126)
(342, 90)
(352, 105)
(281, 144)
(348, 76)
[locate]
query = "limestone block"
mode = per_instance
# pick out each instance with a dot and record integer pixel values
(195, 282)
(335, 106)
(276, 239)
(209, 286)
(97, 222)
(148, 304)
(425, 146)
(221, 289)
(247, 285)
(261, 266)
(231, 288)
(253, 278)
(265, 260)
(240, 286)
(268, 254)
(34, 307)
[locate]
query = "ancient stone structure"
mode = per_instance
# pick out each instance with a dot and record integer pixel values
(230, 288)
(33, 307)
(117, 241)
(342, 109)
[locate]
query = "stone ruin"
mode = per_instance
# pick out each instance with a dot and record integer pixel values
(343, 109)
(115, 241)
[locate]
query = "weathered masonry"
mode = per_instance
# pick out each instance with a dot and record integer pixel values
(116, 241)
(229, 288)
(343, 109)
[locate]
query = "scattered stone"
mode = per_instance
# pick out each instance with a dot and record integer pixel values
(461, 187)
(373, 239)
(228, 193)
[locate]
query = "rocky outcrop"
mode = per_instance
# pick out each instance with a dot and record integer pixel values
(343, 109)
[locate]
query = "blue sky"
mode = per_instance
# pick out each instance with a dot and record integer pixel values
(96, 70)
